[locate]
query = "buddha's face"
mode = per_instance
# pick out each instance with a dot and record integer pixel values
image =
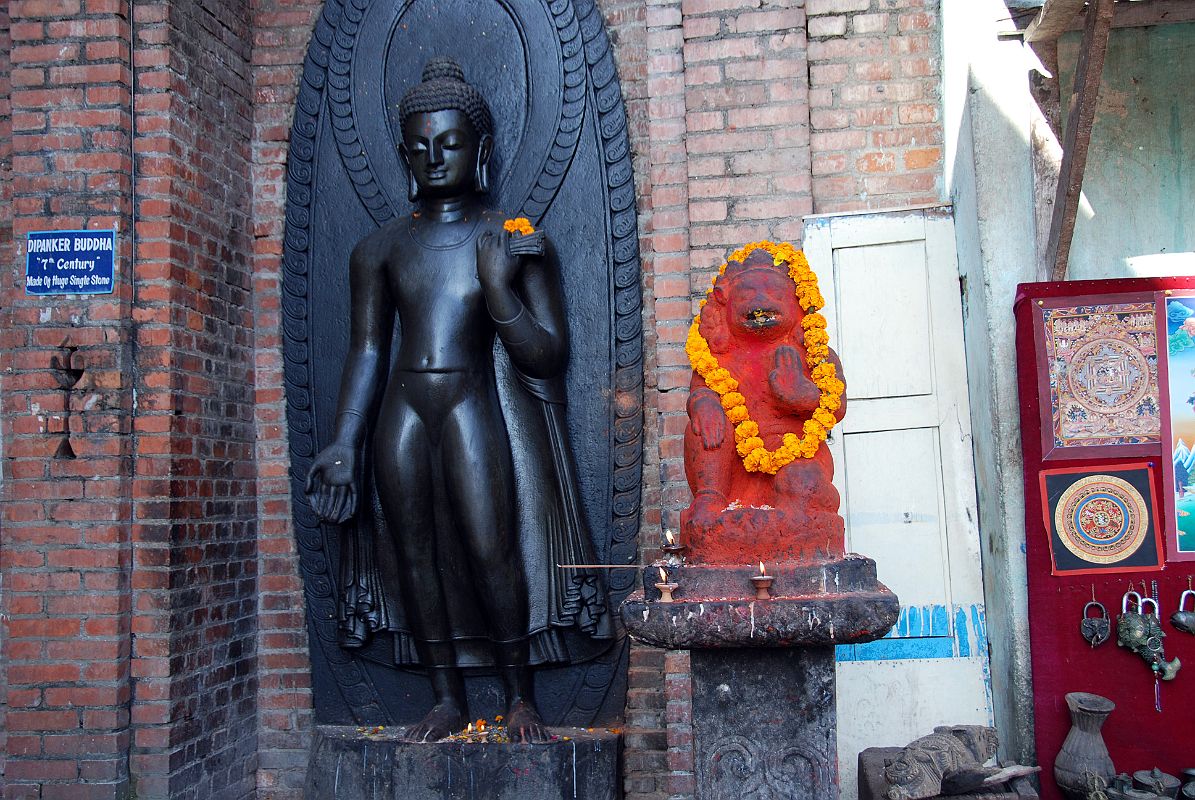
(443, 151)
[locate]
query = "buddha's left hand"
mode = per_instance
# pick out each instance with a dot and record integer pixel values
(496, 267)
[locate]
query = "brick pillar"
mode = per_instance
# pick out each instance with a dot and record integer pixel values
(668, 280)
(195, 578)
(130, 562)
(281, 29)
(67, 401)
(5, 258)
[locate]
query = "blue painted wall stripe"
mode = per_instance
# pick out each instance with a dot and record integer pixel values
(932, 631)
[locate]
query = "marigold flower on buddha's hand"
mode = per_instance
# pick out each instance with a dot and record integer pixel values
(519, 225)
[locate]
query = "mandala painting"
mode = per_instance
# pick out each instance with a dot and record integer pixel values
(1101, 520)
(1102, 362)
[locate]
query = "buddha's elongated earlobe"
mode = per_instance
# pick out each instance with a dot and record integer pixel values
(412, 185)
(481, 175)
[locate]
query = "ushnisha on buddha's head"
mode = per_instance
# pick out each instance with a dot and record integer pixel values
(447, 134)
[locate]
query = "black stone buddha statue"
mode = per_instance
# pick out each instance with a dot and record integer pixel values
(462, 471)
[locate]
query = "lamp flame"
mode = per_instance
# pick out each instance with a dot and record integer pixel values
(663, 576)
(762, 571)
(668, 535)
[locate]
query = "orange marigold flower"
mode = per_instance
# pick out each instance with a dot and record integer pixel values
(519, 225)
(747, 429)
(732, 399)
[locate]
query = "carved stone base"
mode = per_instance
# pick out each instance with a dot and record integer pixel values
(345, 764)
(836, 602)
(764, 724)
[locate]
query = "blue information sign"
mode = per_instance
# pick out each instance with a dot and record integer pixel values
(70, 262)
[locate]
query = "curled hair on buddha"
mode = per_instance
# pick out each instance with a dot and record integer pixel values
(444, 88)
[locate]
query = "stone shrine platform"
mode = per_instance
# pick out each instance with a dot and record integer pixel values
(837, 602)
(764, 717)
(347, 763)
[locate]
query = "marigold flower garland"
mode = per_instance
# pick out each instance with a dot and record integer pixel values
(756, 457)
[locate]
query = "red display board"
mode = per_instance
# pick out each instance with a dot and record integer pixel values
(1055, 450)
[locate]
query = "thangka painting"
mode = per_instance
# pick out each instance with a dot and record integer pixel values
(1101, 519)
(1176, 320)
(1100, 380)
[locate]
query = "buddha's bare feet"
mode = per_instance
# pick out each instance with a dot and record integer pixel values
(523, 724)
(443, 720)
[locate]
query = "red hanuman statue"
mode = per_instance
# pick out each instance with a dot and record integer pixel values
(766, 390)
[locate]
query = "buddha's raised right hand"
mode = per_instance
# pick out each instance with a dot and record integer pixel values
(332, 483)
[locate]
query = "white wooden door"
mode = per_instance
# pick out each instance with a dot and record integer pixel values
(903, 465)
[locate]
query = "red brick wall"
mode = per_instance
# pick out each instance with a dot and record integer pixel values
(281, 29)
(129, 561)
(875, 109)
(6, 258)
(65, 375)
(195, 599)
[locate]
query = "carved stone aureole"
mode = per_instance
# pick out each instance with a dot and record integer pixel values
(560, 158)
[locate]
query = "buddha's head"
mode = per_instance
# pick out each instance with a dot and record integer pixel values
(447, 134)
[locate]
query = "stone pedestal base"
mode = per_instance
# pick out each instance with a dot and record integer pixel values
(346, 764)
(838, 602)
(764, 723)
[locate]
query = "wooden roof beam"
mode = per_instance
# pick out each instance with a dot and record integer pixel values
(1079, 119)
(1147, 12)
(1053, 20)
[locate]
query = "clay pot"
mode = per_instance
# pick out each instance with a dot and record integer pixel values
(1084, 753)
